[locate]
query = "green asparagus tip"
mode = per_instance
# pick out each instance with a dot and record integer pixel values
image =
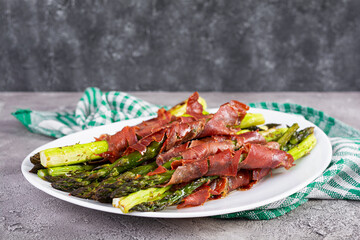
(287, 135)
(304, 147)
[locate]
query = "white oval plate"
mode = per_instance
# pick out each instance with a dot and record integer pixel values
(280, 185)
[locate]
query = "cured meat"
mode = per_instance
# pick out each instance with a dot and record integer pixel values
(259, 173)
(197, 142)
(273, 145)
(222, 186)
(207, 149)
(249, 137)
(260, 156)
(177, 151)
(221, 164)
(229, 114)
(158, 170)
(193, 107)
(118, 142)
(241, 180)
(173, 152)
(218, 187)
(197, 198)
(141, 145)
(155, 124)
(179, 133)
(189, 172)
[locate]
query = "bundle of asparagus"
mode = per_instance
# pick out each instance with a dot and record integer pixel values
(184, 155)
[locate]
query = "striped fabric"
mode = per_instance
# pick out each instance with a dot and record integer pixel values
(341, 180)
(95, 108)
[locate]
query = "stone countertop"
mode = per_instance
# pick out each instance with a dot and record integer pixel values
(28, 213)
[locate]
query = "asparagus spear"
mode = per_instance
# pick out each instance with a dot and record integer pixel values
(47, 173)
(302, 134)
(102, 188)
(298, 137)
(141, 183)
(167, 199)
(304, 147)
(74, 154)
(35, 159)
(287, 135)
(105, 189)
(273, 134)
(111, 170)
(150, 194)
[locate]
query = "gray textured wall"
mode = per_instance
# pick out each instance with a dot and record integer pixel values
(180, 45)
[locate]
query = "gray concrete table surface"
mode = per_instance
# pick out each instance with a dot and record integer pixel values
(28, 213)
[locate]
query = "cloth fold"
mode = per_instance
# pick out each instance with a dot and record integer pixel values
(341, 180)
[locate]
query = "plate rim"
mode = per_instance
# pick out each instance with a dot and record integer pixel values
(92, 204)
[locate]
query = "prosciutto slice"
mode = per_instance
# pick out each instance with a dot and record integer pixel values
(193, 107)
(182, 149)
(155, 124)
(258, 163)
(258, 174)
(173, 152)
(199, 151)
(197, 198)
(141, 145)
(158, 170)
(207, 149)
(241, 180)
(261, 156)
(188, 172)
(179, 133)
(221, 164)
(249, 137)
(217, 188)
(224, 163)
(224, 185)
(229, 114)
(118, 143)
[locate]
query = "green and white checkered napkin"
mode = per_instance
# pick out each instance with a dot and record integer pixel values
(341, 180)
